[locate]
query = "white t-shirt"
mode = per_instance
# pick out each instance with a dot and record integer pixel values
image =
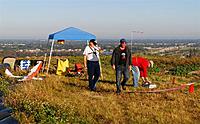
(89, 52)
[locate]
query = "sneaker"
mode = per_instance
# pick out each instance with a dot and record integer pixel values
(118, 91)
(93, 89)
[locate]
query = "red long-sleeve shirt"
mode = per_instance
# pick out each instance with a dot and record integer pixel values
(142, 64)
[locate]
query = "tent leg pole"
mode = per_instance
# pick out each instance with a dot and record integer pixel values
(44, 63)
(50, 56)
(101, 74)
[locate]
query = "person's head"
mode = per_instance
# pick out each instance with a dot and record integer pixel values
(92, 42)
(123, 43)
(151, 63)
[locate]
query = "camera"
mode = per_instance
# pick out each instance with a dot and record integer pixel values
(95, 53)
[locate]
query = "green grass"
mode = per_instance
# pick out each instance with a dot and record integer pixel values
(60, 99)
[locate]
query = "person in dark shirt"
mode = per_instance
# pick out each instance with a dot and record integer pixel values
(121, 63)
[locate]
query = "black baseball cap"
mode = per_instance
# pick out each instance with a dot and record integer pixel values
(93, 41)
(122, 40)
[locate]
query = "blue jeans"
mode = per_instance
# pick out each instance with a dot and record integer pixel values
(93, 73)
(121, 70)
(136, 75)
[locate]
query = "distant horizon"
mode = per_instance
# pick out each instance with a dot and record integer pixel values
(135, 36)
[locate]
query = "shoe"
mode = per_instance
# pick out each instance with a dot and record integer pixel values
(145, 85)
(123, 87)
(135, 86)
(118, 91)
(93, 89)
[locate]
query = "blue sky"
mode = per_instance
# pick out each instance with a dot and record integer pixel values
(104, 18)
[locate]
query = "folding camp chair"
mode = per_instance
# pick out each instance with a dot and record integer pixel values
(3, 67)
(78, 71)
(9, 60)
(31, 75)
(78, 68)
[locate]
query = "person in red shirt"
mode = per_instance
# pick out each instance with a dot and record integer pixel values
(140, 66)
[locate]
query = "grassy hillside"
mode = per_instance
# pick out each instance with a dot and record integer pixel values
(60, 99)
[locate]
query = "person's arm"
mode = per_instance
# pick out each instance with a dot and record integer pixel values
(99, 49)
(85, 56)
(147, 80)
(143, 80)
(85, 61)
(144, 70)
(130, 57)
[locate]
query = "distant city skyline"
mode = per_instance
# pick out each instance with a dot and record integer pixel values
(107, 19)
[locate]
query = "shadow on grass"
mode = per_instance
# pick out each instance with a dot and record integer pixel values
(98, 90)
(107, 81)
(102, 81)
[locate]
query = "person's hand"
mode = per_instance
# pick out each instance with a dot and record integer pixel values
(130, 67)
(100, 51)
(113, 67)
(85, 68)
(149, 82)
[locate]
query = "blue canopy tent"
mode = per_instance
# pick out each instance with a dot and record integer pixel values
(72, 34)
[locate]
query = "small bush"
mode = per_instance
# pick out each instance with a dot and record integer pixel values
(4, 85)
(183, 70)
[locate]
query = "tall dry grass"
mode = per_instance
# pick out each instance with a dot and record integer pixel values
(60, 99)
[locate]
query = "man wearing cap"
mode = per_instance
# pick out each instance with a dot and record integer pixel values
(121, 63)
(91, 63)
(140, 66)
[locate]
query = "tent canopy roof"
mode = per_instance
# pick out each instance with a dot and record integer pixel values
(71, 33)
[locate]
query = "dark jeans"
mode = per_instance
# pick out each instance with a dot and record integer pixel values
(121, 70)
(93, 73)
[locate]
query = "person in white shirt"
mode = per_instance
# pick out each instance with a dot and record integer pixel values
(91, 63)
